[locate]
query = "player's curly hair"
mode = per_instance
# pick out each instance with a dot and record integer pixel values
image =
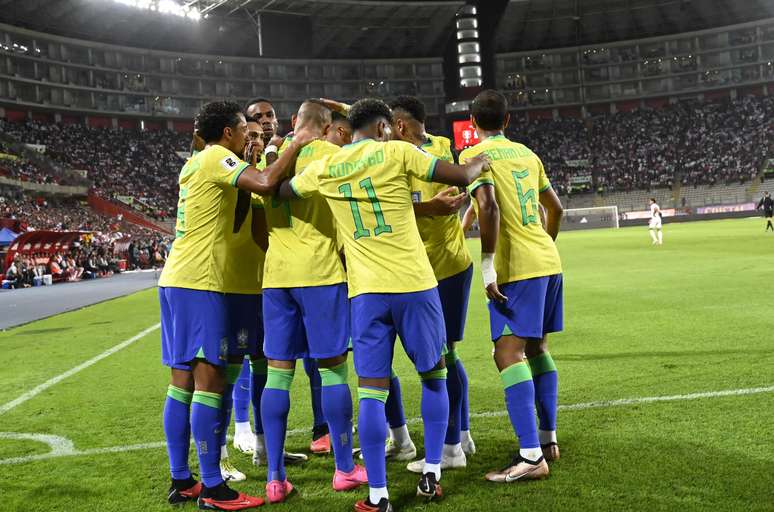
(489, 109)
(411, 105)
(368, 110)
(214, 117)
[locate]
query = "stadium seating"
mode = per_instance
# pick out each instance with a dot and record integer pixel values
(713, 151)
(694, 143)
(142, 165)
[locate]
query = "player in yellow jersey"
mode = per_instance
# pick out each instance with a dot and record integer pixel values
(244, 438)
(306, 315)
(197, 290)
(252, 379)
(262, 111)
(391, 283)
(244, 323)
(436, 207)
(523, 278)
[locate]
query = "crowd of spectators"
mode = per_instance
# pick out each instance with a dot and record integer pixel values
(17, 167)
(38, 213)
(691, 142)
(91, 258)
(82, 262)
(143, 165)
(105, 241)
(696, 143)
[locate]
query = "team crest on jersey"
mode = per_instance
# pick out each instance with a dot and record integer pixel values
(223, 349)
(229, 163)
(242, 338)
(416, 197)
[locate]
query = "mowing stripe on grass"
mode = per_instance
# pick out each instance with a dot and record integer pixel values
(494, 414)
(32, 393)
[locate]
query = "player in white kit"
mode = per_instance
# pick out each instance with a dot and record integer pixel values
(655, 223)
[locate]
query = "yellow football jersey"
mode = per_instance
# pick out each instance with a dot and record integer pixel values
(524, 249)
(367, 188)
(211, 250)
(302, 235)
(261, 165)
(442, 235)
(247, 259)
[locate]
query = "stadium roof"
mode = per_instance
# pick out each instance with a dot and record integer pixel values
(380, 28)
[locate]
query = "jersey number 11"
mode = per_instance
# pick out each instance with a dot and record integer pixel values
(360, 229)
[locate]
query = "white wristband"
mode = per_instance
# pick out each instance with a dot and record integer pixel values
(487, 268)
(271, 149)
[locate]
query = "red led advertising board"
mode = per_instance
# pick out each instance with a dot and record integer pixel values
(464, 134)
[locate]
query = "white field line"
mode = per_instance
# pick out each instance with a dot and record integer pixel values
(62, 447)
(632, 401)
(32, 393)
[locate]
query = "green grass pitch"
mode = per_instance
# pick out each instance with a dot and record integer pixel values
(692, 316)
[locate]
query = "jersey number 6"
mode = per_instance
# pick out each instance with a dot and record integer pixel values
(528, 197)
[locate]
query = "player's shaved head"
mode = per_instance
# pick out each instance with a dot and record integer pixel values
(312, 113)
(489, 110)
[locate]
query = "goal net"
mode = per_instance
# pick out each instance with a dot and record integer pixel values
(590, 218)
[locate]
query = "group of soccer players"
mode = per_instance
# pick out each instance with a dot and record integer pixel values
(339, 237)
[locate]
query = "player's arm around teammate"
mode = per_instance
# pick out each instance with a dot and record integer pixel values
(391, 283)
(445, 172)
(307, 316)
(195, 291)
(265, 182)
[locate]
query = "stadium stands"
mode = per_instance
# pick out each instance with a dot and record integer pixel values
(713, 150)
(698, 145)
(142, 165)
(111, 245)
